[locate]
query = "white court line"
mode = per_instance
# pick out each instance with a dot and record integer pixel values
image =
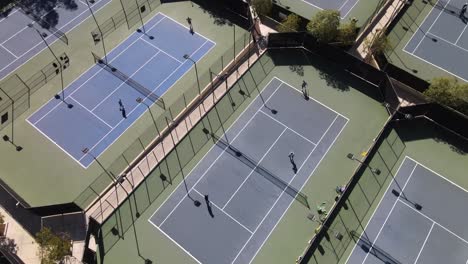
(276, 201)
(313, 99)
(124, 119)
(436, 66)
(10, 14)
(55, 143)
(424, 243)
(388, 216)
(339, 9)
(100, 119)
(178, 67)
(344, 3)
(303, 184)
(147, 110)
(430, 219)
(347, 13)
(175, 242)
(378, 205)
(137, 107)
(211, 148)
(433, 23)
(222, 152)
(418, 29)
(50, 35)
(438, 174)
(124, 82)
(466, 50)
(79, 87)
(219, 208)
(256, 166)
(200, 35)
(461, 34)
(5, 48)
(292, 130)
(161, 50)
(98, 71)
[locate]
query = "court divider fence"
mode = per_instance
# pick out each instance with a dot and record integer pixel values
(132, 153)
(128, 14)
(404, 22)
(346, 221)
(177, 161)
(15, 93)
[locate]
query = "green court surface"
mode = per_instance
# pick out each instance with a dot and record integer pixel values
(408, 24)
(362, 10)
(328, 84)
(441, 151)
(42, 174)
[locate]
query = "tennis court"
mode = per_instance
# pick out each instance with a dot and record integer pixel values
(19, 43)
(442, 39)
(344, 6)
(104, 98)
(248, 179)
(420, 219)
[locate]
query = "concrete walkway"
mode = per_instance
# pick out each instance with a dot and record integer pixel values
(19, 240)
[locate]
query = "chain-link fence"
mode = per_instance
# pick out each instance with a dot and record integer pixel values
(346, 221)
(15, 94)
(132, 153)
(131, 15)
(177, 160)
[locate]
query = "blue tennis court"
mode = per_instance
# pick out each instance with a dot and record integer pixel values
(104, 106)
(250, 177)
(19, 43)
(442, 39)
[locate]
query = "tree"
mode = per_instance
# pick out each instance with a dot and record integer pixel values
(450, 92)
(52, 248)
(348, 32)
(324, 25)
(262, 7)
(291, 23)
(379, 44)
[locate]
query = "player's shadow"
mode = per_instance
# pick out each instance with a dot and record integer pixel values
(368, 247)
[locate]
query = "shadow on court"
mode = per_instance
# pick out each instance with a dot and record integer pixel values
(368, 247)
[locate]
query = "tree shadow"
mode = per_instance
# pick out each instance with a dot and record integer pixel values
(45, 12)
(422, 128)
(9, 245)
(335, 75)
(297, 69)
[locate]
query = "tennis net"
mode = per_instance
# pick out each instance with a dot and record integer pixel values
(132, 83)
(299, 196)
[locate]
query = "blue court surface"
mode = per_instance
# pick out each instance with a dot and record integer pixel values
(442, 39)
(420, 219)
(344, 6)
(95, 121)
(19, 43)
(244, 204)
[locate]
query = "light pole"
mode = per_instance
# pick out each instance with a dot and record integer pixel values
(6, 138)
(223, 78)
(373, 170)
(388, 106)
(99, 28)
(187, 57)
(57, 96)
(195, 202)
(142, 23)
(141, 101)
(313, 218)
